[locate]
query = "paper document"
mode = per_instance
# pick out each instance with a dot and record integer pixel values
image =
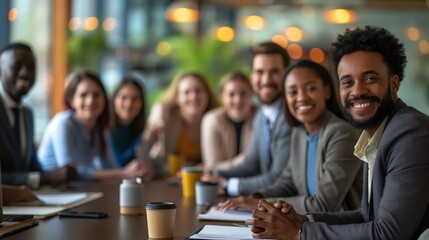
(52, 203)
(60, 199)
(230, 215)
(223, 232)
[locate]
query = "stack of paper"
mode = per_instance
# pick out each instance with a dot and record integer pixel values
(230, 215)
(223, 232)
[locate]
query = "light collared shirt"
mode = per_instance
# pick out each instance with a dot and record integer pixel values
(33, 178)
(271, 112)
(366, 150)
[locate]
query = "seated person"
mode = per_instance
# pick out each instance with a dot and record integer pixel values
(226, 131)
(269, 147)
(77, 136)
(128, 106)
(19, 164)
(174, 124)
(322, 173)
(370, 65)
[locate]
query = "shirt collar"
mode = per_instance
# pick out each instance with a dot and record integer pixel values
(7, 100)
(271, 111)
(365, 141)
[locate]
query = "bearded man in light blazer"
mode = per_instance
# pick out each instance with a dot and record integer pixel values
(267, 156)
(370, 65)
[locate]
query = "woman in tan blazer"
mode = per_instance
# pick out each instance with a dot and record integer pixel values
(174, 122)
(226, 131)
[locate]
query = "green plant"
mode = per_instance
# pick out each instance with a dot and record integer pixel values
(85, 47)
(206, 56)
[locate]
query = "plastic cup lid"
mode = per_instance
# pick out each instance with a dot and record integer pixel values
(160, 205)
(204, 183)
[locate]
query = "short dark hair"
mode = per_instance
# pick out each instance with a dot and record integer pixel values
(16, 45)
(138, 123)
(371, 39)
(332, 104)
(271, 48)
(103, 121)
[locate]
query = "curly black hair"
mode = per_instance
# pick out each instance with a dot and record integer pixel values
(371, 39)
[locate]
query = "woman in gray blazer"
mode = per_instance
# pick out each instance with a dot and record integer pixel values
(322, 173)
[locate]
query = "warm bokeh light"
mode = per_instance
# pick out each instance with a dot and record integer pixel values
(224, 34)
(424, 46)
(294, 34)
(295, 51)
(317, 55)
(109, 24)
(163, 48)
(91, 23)
(340, 16)
(308, 11)
(13, 14)
(182, 15)
(413, 33)
(74, 23)
(280, 40)
(254, 22)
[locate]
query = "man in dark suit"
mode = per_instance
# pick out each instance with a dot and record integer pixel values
(370, 64)
(19, 164)
(268, 151)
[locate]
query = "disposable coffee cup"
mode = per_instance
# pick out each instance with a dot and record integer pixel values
(160, 219)
(190, 175)
(205, 193)
(175, 163)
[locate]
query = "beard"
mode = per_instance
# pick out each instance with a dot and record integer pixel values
(271, 99)
(385, 106)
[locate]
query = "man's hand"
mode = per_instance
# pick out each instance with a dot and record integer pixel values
(278, 221)
(13, 194)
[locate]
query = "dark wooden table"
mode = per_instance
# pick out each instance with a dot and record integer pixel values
(117, 226)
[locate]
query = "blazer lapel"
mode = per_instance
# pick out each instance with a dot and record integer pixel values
(7, 127)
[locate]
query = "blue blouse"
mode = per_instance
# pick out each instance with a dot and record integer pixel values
(312, 140)
(65, 141)
(123, 144)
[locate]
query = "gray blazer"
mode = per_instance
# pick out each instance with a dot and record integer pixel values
(399, 207)
(253, 172)
(339, 172)
(14, 168)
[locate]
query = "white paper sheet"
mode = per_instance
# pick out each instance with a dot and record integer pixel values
(223, 232)
(60, 199)
(230, 215)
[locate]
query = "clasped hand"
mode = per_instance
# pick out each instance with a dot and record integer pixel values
(276, 220)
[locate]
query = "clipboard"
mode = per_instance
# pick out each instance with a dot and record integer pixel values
(45, 211)
(9, 228)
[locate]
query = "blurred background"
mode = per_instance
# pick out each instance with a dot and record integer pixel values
(155, 39)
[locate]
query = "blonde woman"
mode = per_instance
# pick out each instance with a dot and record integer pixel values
(174, 123)
(227, 130)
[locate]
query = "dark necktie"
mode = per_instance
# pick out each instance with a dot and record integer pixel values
(266, 133)
(17, 128)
